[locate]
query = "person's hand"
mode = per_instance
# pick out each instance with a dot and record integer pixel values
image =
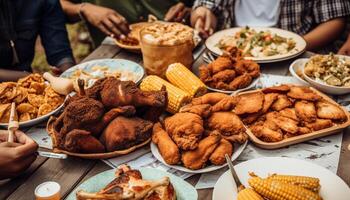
(16, 157)
(204, 21)
(177, 13)
(345, 49)
(107, 20)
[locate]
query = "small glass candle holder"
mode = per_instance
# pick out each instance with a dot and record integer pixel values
(48, 191)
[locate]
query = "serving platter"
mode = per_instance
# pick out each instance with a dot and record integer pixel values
(213, 40)
(332, 187)
(184, 191)
(50, 130)
(300, 138)
(237, 150)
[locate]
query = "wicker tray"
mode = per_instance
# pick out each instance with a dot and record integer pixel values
(51, 130)
(300, 138)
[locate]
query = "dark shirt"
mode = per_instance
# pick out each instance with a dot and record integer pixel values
(33, 18)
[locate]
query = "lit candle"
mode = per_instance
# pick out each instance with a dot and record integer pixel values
(48, 191)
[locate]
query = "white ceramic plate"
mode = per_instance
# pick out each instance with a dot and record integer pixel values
(123, 65)
(297, 67)
(213, 40)
(238, 149)
(184, 191)
(332, 187)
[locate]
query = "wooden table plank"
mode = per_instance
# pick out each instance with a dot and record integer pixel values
(103, 51)
(9, 186)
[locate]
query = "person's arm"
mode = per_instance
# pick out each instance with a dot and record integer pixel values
(324, 33)
(11, 75)
(345, 49)
(16, 157)
(105, 19)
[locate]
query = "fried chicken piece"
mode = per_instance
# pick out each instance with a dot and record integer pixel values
(269, 99)
(220, 64)
(81, 141)
(117, 93)
(204, 74)
(290, 113)
(227, 123)
(197, 158)
(287, 124)
(226, 75)
(218, 156)
(203, 110)
(167, 148)
(303, 93)
(185, 129)
(249, 103)
(266, 134)
(209, 98)
(276, 89)
(304, 130)
(225, 104)
(123, 133)
(281, 103)
(247, 66)
(305, 111)
(240, 67)
(319, 124)
(250, 118)
(241, 138)
(326, 110)
(241, 81)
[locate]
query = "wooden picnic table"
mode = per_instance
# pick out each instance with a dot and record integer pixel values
(71, 172)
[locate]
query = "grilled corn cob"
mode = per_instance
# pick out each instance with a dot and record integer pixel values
(278, 190)
(184, 79)
(248, 194)
(176, 97)
(309, 183)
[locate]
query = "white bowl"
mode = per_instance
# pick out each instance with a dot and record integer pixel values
(298, 65)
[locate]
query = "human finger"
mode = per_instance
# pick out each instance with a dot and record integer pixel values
(120, 22)
(9, 144)
(22, 137)
(26, 149)
(174, 12)
(112, 28)
(102, 28)
(3, 135)
(208, 21)
(22, 164)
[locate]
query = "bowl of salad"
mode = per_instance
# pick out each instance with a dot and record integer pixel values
(329, 73)
(259, 44)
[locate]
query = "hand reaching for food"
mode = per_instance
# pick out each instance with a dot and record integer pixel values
(177, 13)
(204, 21)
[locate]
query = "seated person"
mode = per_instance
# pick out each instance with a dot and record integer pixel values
(16, 157)
(319, 22)
(112, 17)
(20, 24)
(345, 49)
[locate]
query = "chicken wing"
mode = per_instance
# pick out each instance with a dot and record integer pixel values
(227, 123)
(220, 64)
(249, 103)
(266, 134)
(303, 93)
(203, 110)
(185, 129)
(197, 158)
(218, 156)
(241, 138)
(290, 113)
(204, 74)
(83, 142)
(241, 81)
(281, 103)
(224, 76)
(328, 110)
(305, 111)
(247, 66)
(209, 98)
(277, 89)
(319, 124)
(167, 148)
(269, 99)
(226, 104)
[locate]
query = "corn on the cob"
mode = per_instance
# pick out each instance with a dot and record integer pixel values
(309, 183)
(248, 194)
(176, 97)
(278, 190)
(184, 79)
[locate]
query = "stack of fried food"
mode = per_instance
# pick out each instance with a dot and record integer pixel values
(33, 97)
(203, 131)
(229, 71)
(128, 184)
(285, 111)
(278, 187)
(109, 116)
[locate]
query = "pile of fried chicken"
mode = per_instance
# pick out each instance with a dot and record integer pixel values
(202, 132)
(229, 71)
(129, 184)
(111, 115)
(285, 111)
